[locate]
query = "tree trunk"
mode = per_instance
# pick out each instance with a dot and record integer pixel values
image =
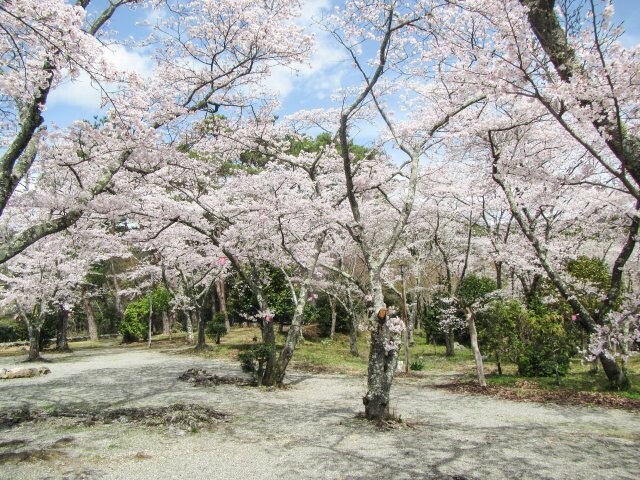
(473, 334)
(380, 373)
(34, 342)
(116, 291)
(332, 304)
(220, 291)
(499, 365)
(62, 342)
(269, 377)
(292, 336)
(206, 315)
(166, 324)
(498, 265)
(382, 363)
(92, 329)
(449, 341)
(615, 374)
(172, 322)
(353, 335)
(191, 319)
(413, 315)
(202, 338)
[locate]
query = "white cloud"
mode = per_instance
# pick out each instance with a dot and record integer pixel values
(319, 76)
(313, 9)
(86, 93)
(76, 93)
(130, 61)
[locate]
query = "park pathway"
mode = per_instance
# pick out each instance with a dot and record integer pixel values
(306, 431)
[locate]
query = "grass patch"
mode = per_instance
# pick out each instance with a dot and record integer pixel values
(579, 379)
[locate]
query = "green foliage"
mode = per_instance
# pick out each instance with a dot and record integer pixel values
(538, 343)
(134, 326)
(417, 364)
(161, 299)
(473, 288)
(241, 303)
(278, 296)
(216, 328)
(595, 273)
(590, 269)
(12, 330)
(308, 144)
(253, 360)
(496, 324)
(543, 348)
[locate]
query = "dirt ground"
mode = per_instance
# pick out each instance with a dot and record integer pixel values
(84, 421)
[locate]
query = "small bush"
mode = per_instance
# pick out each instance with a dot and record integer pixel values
(543, 349)
(12, 331)
(253, 361)
(216, 329)
(134, 326)
(417, 364)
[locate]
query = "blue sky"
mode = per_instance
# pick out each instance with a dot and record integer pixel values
(310, 88)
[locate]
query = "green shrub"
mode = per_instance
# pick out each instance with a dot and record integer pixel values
(216, 327)
(538, 343)
(543, 349)
(417, 364)
(134, 326)
(12, 331)
(253, 361)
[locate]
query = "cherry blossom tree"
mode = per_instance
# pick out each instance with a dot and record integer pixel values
(561, 71)
(42, 44)
(392, 30)
(202, 67)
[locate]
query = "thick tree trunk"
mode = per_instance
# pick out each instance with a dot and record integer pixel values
(382, 366)
(473, 334)
(206, 315)
(202, 338)
(220, 291)
(615, 374)
(192, 318)
(166, 324)
(353, 335)
(449, 341)
(382, 363)
(498, 265)
(34, 342)
(270, 376)
(92, 329)
(62, 342)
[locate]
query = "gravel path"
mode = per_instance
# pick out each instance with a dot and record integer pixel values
(307, 431)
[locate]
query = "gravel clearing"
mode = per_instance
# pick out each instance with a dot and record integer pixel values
(308, 431)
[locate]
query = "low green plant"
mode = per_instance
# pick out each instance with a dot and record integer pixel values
(417, 364)
(134, 328)
(254, 360)
(543, 349)
(216, 327)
